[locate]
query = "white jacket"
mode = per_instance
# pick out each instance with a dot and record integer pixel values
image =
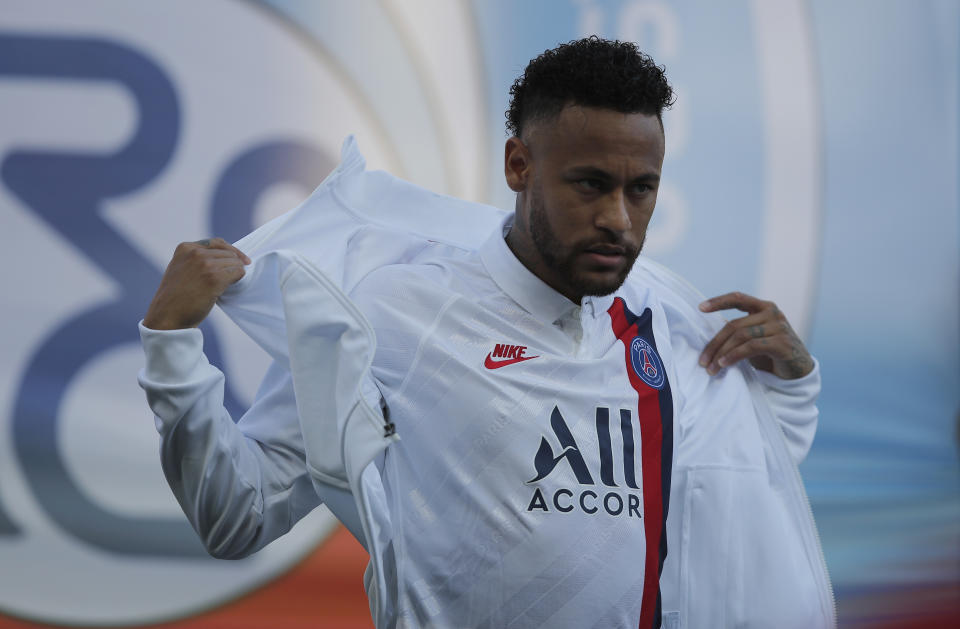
(743, 547)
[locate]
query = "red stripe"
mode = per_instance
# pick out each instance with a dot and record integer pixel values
(651, 438)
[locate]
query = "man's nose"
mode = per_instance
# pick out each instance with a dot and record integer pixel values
(613, 215)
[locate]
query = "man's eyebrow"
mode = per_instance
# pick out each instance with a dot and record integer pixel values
(598, 173)
(589, 171)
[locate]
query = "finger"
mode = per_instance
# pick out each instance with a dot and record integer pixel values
(753, 337)
(736, 332)
(750, 349)
(220, 243)
(709, 353)
(226, 264)
(212, 265)
(706, 356)
(233, 274)
(769, 338)
(218, 273)
(738, 300)
(744, 329)
(206, 253)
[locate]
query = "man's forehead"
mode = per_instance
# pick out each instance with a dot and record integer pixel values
(585, 134)
(587, 118)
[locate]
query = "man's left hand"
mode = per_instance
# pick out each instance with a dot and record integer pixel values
(764, 337)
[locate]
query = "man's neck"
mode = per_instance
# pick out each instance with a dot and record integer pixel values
(521, 245)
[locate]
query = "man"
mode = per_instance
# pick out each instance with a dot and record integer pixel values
(537, 380)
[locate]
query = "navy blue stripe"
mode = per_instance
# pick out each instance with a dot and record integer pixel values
(603, 439)
(626, 429)
(644, 324)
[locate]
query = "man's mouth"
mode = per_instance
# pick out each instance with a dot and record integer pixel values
(608, 250)
(606, 255)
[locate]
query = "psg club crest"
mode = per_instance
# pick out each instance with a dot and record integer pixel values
(647, 363)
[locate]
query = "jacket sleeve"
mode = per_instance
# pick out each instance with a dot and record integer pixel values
(241, 485)
(794, 402)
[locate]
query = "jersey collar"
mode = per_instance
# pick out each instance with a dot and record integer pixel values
(518, 282)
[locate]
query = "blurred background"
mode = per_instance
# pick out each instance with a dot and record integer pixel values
(812, 158)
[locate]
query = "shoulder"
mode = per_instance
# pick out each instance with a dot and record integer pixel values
(417, 289)
(678, 298)
(405, 302)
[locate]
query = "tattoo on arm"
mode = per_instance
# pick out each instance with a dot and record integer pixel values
(797, 367)
(799, 362)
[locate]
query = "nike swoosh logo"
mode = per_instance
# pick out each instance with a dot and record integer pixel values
(489, 363)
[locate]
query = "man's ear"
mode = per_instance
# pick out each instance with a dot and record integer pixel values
(516, 164)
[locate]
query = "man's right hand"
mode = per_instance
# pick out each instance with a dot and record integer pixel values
(196, 276)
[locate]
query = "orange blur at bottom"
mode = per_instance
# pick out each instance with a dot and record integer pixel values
(324, 590)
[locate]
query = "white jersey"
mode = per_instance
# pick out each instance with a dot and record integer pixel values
(529, 487)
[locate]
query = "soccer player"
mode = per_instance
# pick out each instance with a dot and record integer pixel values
(503, 425)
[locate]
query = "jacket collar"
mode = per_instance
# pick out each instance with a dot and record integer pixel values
(518, 282)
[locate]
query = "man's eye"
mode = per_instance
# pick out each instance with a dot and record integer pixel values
(589, 185)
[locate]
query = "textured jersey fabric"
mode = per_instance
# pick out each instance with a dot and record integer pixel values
(530, 481)
(526, 487)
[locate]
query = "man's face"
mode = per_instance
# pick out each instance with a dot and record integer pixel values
(588, 181)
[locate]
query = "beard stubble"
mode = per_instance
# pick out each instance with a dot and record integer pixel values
(563, 259)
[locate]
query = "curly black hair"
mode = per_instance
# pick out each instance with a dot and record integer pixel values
(592, 72)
